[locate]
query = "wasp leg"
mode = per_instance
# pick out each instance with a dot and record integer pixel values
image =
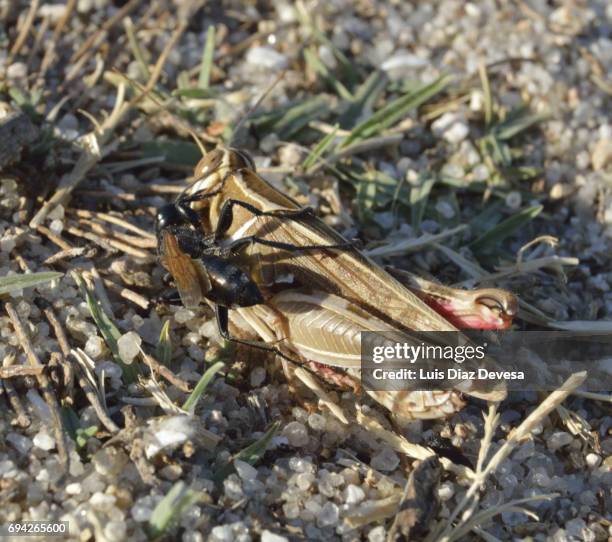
(222, 316)
(251, 240)
(184, 200)
(226, 216)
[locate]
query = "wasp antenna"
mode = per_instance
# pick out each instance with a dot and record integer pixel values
(257, 103)
(198, 142)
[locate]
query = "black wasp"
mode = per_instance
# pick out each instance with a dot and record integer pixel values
(207, 266)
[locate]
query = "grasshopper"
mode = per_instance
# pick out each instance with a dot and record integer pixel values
(314, 303)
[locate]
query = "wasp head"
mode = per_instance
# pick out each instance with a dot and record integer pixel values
(176, 215)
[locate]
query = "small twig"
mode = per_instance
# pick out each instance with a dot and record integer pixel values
(19, 370)
(92, 396)
(162, 370)
(44, 383)
(445, 534)
(70, 5)
(82, 213)
(66, 254)
(62, 340)
(138, 242)
(23, 33)
(23, 265)
(22, 419)
(88, 47)
(111, 245)
(40, 35)
(64, 245)
(128, 294)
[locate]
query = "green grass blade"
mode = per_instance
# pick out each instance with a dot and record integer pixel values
(254, 452)
(169, 509)
(320, 148)
(315, 64)
(295, 118)
(28, 280)
(201, 386)
(163, 349)
(506, 228)
(396, 110)
(346, 68)
(419, 196)
(251, 454)
(488, 218)
(195, 93)
(366, 196)
(207, 59)
(365, 97)
(517, 124)
(136, 49)
(107, 328)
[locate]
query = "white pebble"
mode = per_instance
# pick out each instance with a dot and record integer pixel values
(141, 512)
(17, 70)
(56, 226)
(8, 243)
(53, 12)
(445, 209)
(377, 534)
(94, 347)
(514, 200)
(171, 433)
(329, 515)
(316, 422)
(353, 494)
(73, 489)
(557, 440)
(267, 57)
(386, 460)
(291, 510)
(129, 346)
(184, 315)
(446, 491)
(102, 501)
(456, 133)
(296, 434)
(304, 480)
(602, 154)
(44, 441)
(268, 536)
(451, 127)
(258, 377)
(247, 472)
(115, 531)
(57, 213)
(8, 469)
(593, 460)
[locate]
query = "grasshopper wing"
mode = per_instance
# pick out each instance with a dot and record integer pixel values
(189, 274)
(344, 272)
(326, 328)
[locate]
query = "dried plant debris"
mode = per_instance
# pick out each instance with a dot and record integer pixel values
(469, 143)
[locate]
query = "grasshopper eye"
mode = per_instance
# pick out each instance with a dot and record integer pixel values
(209, 163)
(501, 306)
